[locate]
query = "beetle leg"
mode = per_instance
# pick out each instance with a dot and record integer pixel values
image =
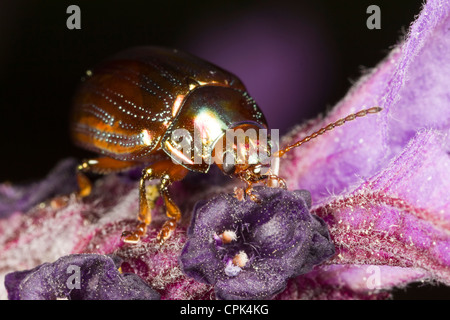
(250, 194)
(100, 165)
(172, 211)
(175, 173)
(84, 184)
(167, 172)
(275, 181)
(272, 181)
(144, 215)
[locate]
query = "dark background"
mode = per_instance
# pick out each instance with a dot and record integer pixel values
(297, 59)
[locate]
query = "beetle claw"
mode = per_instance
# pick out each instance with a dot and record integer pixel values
(239, 193)
(251, 195)
(254, 198)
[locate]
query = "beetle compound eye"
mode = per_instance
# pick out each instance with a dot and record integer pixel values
(228, 165)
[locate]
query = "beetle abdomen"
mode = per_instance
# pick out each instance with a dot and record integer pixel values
(125, 105)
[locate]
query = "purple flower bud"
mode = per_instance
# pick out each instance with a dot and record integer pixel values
(275, 240)
(78, 277)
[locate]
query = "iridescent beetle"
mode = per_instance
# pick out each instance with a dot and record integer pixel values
(128, 107)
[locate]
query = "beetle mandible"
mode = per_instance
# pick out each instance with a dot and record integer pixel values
(127, 108)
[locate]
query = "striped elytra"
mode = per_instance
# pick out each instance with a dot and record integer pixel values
(126, 104)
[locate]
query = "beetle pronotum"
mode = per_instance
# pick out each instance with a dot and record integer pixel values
(127, 108)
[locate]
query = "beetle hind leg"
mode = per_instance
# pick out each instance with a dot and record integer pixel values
(84, 184)
(102, 165)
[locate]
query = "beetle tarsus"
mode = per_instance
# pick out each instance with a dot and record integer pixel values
(130, 237)
(275, 181)
(136, 235)
(166, 231)
(239, 193)
(251, 195)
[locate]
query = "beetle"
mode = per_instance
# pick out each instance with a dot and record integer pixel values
(128, 107)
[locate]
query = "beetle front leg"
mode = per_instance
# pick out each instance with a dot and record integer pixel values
(272, 181)
(250, 194)
(275, 181)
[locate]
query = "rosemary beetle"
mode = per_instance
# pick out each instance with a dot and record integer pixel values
(128, 108)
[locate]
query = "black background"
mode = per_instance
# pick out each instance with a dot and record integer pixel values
(41, 62)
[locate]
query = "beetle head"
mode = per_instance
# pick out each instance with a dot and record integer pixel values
(245, 152)
(241, 159)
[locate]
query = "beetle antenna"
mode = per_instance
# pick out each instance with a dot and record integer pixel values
(329, 127)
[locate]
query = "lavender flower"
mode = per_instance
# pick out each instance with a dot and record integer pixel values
(78, 277)
(249, 250)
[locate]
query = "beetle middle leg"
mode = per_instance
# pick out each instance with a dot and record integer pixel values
(167, 172)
